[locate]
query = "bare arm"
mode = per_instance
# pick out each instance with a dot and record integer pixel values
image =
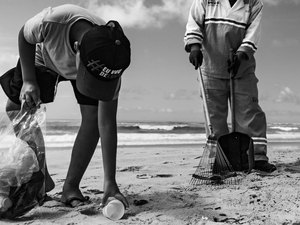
(107, 113)
(30, 91)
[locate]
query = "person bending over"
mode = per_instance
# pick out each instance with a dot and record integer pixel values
(69, 43)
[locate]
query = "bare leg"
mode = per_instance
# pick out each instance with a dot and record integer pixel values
(83, 150)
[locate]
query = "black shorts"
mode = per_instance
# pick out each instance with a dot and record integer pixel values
(47, 79)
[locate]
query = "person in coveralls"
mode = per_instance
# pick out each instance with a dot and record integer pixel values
(214, 27)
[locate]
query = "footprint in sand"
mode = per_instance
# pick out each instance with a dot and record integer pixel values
(90, 211)
(164, 175)
(147, 176)
(130, 169)
(95, 191)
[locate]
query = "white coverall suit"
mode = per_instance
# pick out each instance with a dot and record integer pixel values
(218, 27)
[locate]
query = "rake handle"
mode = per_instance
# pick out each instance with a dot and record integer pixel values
(203, 93)
(232, 99)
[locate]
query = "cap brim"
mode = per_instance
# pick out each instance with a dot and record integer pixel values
(95, 88)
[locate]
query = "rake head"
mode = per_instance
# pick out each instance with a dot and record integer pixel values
(214, 167)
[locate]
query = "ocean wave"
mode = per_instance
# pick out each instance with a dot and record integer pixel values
(162, 127)
(284, 128)
(283, 136)
(167, 128)
(63, 134)
(133, 139)
(148, 139)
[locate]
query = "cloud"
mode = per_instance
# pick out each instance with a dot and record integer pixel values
(277, 2)
(165, 110)
(182, 94)
(134, 93)
(139, 108)
(139, 14)
(288, 96)
(142, 14)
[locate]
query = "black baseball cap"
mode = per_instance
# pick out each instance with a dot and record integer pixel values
(104, 55)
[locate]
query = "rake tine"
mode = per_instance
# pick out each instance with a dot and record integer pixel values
(214, 167)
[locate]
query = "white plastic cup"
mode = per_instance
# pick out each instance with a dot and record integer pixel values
(114, 210)
(5, 203)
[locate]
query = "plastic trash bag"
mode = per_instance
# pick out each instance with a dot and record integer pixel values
(22, 163)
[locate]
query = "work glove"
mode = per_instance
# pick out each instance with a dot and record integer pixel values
(196, 57)
(236, 61)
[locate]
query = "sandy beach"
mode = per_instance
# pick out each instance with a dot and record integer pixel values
(155, 180)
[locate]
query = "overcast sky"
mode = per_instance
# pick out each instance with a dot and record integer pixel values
(160, 84)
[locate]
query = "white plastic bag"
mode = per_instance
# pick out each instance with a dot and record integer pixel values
(22, 164)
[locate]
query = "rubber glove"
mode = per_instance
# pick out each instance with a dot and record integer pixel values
(196, 56)
(237, 59)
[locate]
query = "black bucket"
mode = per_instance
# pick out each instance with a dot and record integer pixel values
(238, 148)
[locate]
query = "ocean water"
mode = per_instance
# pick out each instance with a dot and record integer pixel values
(63, 133)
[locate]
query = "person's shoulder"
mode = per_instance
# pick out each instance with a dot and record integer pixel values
(69, 7)
(72, 9)
(68, 12)
(64, 12)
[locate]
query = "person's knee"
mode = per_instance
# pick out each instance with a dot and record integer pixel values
(89, 116)
(89, 112)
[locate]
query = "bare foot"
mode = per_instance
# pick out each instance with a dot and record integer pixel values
(73, 198)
